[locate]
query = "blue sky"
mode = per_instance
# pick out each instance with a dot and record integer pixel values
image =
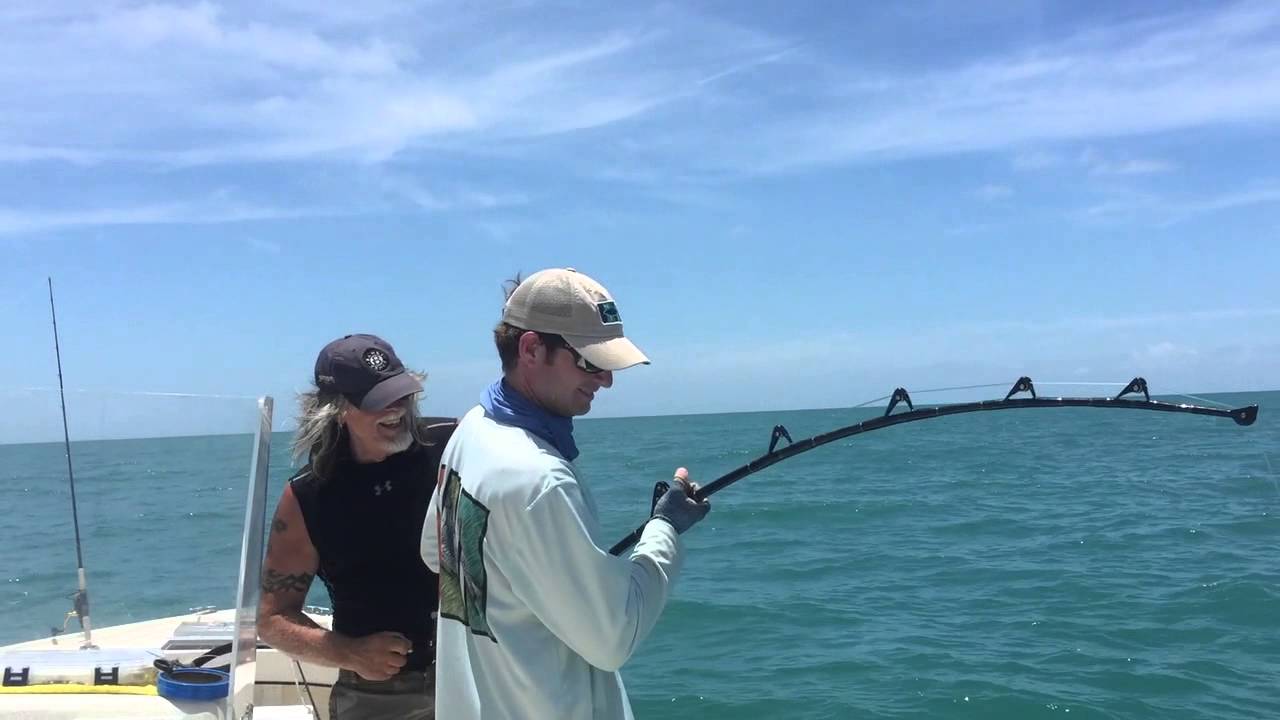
(796, 205)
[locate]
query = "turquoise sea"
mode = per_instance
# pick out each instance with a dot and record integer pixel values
(1066, 563)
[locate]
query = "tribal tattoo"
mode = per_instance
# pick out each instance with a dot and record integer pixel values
(274, 582)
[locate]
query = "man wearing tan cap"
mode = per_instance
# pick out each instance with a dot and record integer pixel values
(536, 616)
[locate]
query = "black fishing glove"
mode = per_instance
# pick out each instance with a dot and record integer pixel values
(677, 508)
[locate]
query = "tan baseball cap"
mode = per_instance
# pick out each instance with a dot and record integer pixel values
(577, 308)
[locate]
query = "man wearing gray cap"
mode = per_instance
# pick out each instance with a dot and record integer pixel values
(536, 616)
(353, 516)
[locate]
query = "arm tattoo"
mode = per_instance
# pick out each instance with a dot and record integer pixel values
(277, 526)
(274, 582)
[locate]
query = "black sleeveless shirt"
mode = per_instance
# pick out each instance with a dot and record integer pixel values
(365, 521)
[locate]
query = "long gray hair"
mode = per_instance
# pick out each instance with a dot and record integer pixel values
(320, 432)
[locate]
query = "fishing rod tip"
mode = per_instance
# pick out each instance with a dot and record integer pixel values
(1245, 415)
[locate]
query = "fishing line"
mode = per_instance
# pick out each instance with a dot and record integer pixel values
(135, 393)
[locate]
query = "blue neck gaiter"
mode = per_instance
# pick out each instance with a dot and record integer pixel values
(506, 405)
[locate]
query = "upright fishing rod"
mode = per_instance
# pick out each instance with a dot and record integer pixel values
(1242, 416)
(80, 601)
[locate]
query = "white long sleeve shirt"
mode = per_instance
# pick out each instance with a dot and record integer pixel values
(536, 616)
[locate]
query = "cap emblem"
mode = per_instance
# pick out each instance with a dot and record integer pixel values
(608, 312)
(375, 359)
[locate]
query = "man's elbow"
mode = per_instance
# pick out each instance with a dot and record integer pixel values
(614, 662)
(617, 656)
(611, 655)
(618, 636)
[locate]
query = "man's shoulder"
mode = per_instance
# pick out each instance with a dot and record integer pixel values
(436, 430)
(480, 433)
(432, 437)
(494, 452)
(303, 476)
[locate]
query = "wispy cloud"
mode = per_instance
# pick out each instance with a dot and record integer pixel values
(250, 87)
(666, 98)
(194, 213)
(1244, 198)
(204, 84)
(991, 192)
(502, 232)
(459, 198)
(1092, 161)
(748, 65)
(1165, 320)
(1163, 352)
(1037, 160)
(204, 28)
(243, 89)
(76, 156)
(970, 229)
(1162, 210)
(1183, 71)
(1077, 348)
(1133, 167)
(264, 246)
(1098, 163)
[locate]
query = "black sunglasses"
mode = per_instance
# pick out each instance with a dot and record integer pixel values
(583, 364)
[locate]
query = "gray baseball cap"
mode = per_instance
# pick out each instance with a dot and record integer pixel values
(365, 370)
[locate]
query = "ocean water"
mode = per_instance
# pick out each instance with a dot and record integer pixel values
(1066, 563)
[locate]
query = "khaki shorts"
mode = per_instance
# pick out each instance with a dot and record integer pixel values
(410, 695)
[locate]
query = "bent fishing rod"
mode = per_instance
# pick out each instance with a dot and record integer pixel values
(1242, 416)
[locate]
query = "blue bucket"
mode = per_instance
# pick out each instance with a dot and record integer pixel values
(193, 684)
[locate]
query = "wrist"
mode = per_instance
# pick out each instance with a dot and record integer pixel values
(666, 520)
(340, 647)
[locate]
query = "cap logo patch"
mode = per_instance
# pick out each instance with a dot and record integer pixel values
(375, 359)
(608, 312)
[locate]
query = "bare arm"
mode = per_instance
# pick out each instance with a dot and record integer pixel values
(287, 572)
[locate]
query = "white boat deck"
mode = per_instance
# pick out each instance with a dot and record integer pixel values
(279, 681)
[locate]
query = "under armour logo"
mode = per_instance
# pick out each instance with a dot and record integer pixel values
(384, 487)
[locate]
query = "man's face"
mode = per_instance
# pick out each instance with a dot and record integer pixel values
(385, 431)
(561, 386)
